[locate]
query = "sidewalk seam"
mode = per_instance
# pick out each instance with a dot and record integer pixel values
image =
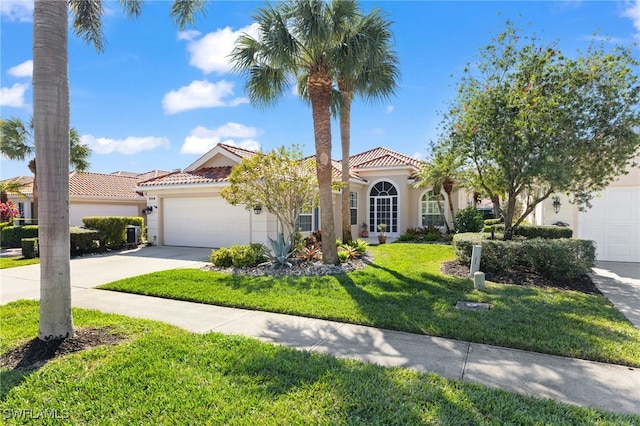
(466, 359)
(325, 339)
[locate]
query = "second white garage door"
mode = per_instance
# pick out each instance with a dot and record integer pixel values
(614, 224)
(205, 222)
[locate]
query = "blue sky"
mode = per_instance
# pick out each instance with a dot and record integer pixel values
(158, 98)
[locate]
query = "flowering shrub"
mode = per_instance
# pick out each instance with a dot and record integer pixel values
(8, 211)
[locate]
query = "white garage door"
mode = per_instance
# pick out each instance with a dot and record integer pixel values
(614, 224)
(204, 222)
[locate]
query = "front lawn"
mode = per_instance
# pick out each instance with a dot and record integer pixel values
(404, 290)
(163, 375)
(13, 262)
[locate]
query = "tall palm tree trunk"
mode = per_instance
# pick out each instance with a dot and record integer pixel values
(319, 88)
(34, 191)
(51, 131)
(345, 139)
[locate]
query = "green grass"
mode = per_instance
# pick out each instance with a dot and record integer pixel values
(404, 290)
(163, 375)
(14, 262)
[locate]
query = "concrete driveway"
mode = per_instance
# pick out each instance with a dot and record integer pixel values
(620, 283)
(93, 270)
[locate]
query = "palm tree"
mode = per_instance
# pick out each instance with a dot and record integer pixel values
(371, 71)
(302, 38)
(441, 172)
(16, 143)
(51, 134)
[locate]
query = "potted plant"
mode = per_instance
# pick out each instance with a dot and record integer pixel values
(365, 231)
(382, 236)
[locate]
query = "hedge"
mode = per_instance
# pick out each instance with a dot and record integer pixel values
(86, 240)
(532, 231)
(113, 227)
(29, 248)
(12, 235)
(564, 257)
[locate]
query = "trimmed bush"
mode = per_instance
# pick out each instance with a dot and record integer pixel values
(113, 227)
(29, 248)
(469, 219)
(247, 256)
(563, 258)
(86, 240)
(533, 231)
(13, 235)
(221, 257)
(490, 222)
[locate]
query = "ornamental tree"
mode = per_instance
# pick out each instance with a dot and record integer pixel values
(529, 121)
(280, 181)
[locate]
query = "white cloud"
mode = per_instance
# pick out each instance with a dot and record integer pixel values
(127, 146)
(377, 131)
(632, 12)
(200, 94)
(188, 35)
(17, 10)
(389, 109)
(419, 156)
(13, 96)
(202, 139)
(210, 52)
(24, 69)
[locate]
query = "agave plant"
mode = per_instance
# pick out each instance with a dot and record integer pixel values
(281, 251)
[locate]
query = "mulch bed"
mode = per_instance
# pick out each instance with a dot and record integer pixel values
(525, 277)
(34, 353)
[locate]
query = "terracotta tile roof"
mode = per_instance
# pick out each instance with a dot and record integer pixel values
(27, 189)
(203, 175)
(240, 152)
(102, 185)
(123, 173)
(150, 175)
(382, 157)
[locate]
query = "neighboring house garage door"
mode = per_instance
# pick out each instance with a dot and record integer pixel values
(204, 222)
(614, 224)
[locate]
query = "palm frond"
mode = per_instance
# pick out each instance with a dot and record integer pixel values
(87, 21)
(78, 152)
(16, 140)
(184, 11)
(133, 8)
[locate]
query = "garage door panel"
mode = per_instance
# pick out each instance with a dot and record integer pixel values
(614, 224)
(204, 222)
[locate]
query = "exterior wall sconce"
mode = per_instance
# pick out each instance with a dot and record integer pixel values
(556, 204)
(147, 210)
(257, 209)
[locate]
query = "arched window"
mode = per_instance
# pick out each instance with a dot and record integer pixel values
(429, 210)
(383, 206)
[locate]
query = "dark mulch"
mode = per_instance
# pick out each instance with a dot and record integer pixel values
(34, 353)
(525, 277)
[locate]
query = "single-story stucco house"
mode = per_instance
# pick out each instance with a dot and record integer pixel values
(613, 222)
(188, 209)
(92, 194)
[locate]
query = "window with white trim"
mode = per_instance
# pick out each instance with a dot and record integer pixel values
(429, 210)
(353, 205)
(305, 221)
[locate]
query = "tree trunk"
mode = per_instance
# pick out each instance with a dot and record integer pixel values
(508, 217)
(319, 89)
(447, 185)
(51, 133)
(345, 139)
(34, 192)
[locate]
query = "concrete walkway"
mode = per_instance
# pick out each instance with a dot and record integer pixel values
(620, 283)
(611, 387)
